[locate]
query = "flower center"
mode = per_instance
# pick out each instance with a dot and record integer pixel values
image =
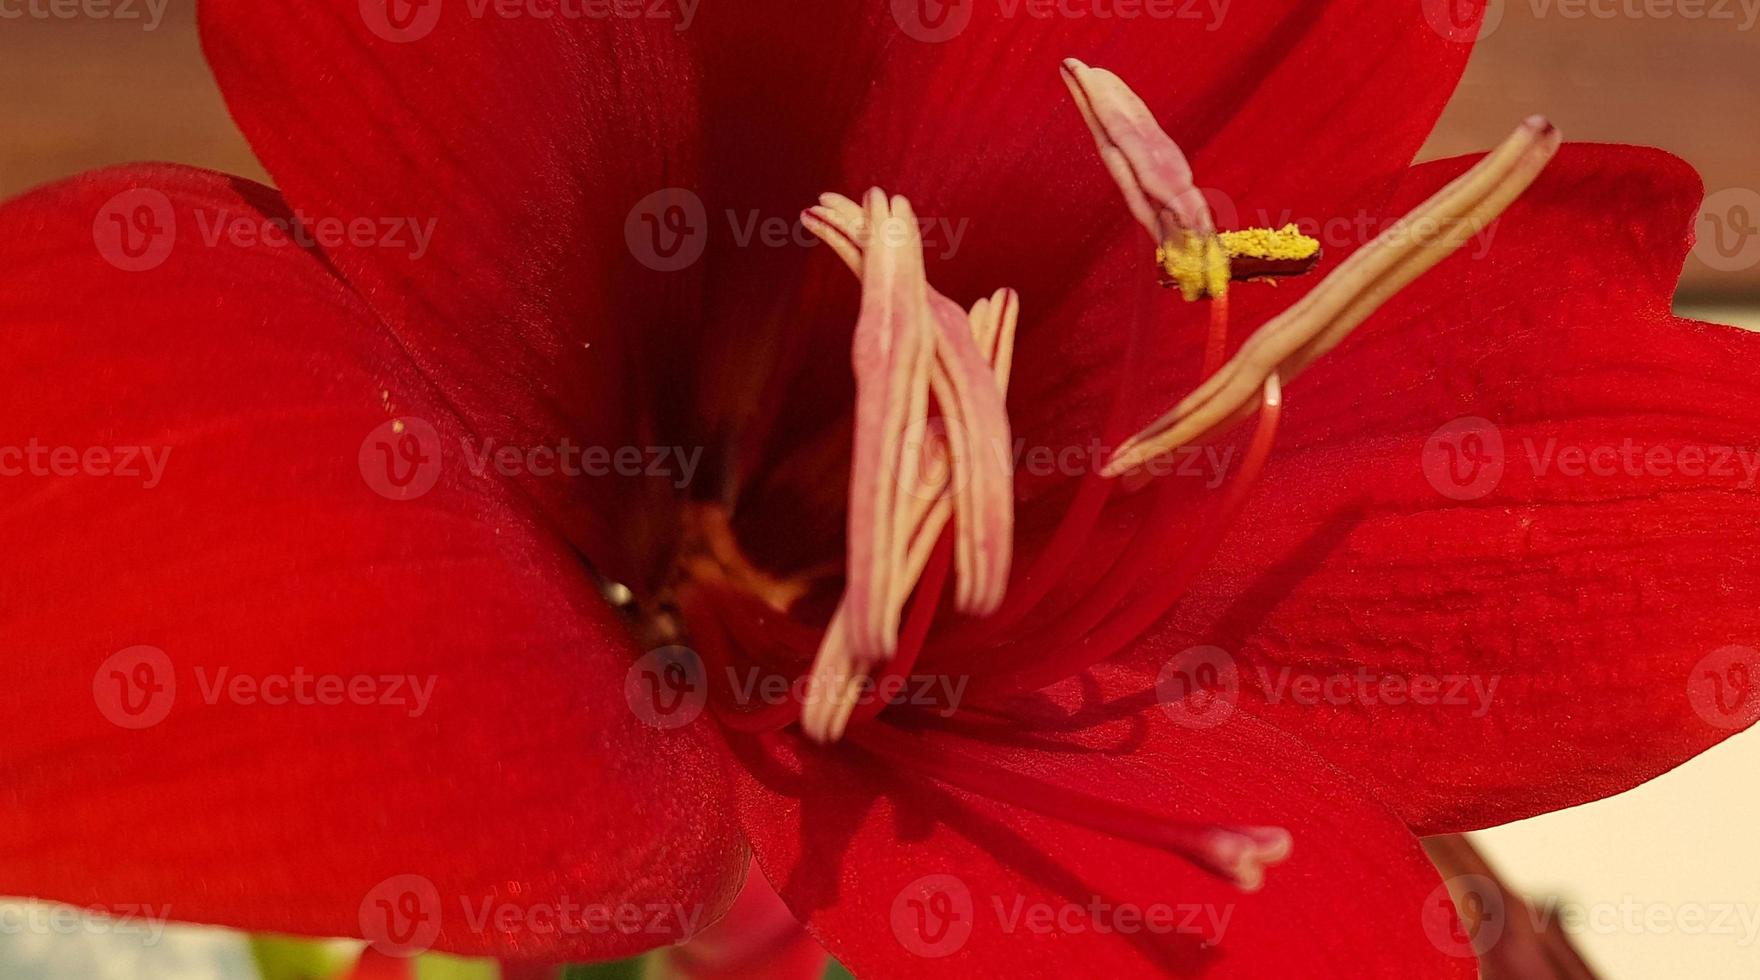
(931, 483)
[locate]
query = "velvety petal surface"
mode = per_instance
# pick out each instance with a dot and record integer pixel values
(899, 875)
(524, 148)
(1526, 486)
(308, 672)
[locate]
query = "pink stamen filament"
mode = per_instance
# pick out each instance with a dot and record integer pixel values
(1064, 655)
(1237, 854)
(924, 605)
(1071, 534)
(1216, 345)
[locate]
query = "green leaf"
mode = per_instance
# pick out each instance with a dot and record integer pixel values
(439, 966)
(287, 958)
(836, 971)
(620, 970)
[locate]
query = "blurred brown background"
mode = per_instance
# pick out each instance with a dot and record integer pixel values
(81, 93)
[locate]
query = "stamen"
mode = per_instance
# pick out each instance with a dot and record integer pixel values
(973, 358)
(1238, 854)
(1323, 318)
(963, 474)
(891, 354)
(1105, 621)
(1150, 170)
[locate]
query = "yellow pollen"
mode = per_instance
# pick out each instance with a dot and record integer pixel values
(1286, 244)
(1198, 265)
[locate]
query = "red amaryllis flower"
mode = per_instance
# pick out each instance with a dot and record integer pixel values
(340, 665)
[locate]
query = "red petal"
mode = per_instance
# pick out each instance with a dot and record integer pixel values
(875, 858)
(1612, 611)
(758, 939)
(374, 965)
(520, 144)
(160, 747)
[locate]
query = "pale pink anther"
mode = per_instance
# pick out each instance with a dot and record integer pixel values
(1150, 170)
(892, 354)
(963, 474)
(969, 379)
